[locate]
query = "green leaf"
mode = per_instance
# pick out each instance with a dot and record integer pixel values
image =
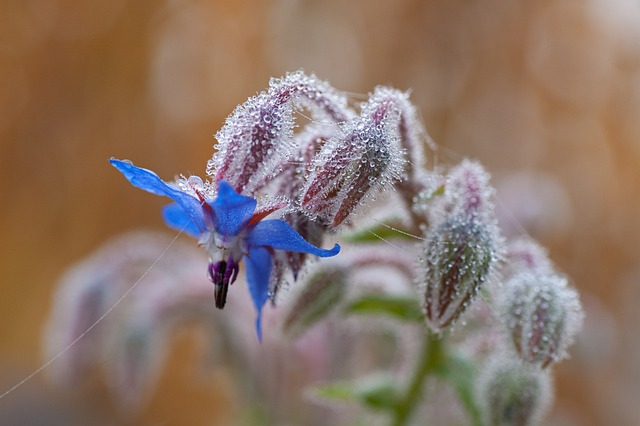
(376, 392)
(376, 232)
(337, 392)
(400, 307)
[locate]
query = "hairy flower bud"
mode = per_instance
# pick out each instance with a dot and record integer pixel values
(321, 293)
(513, 394)
(460, 256)
(542, 314)
(257, 137)
(524, 254)
(465, 190)
(468, 189)
(291, 181)
(462, 247)
(365, 157)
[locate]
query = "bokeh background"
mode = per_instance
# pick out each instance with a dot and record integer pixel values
(545, 93)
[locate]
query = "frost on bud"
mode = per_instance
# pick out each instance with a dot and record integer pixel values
(411, 132)
(257, 138)
(291, 181)
(365, 157)
(462, 248)
(460, 256)
(468, 188)
(322, 292)
(513, 394)
(542, 315)
(464, 190)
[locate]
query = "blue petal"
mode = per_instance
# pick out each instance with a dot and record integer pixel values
(175, 216)
(279, 235)
(150, 182)
(232, 210)
(258, 270)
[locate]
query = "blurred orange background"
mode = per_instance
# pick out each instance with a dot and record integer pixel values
(546, 94)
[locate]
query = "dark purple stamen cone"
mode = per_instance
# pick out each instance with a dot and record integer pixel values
(222, 274)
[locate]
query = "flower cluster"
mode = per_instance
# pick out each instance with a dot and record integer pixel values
(356, 156)
(429, 256)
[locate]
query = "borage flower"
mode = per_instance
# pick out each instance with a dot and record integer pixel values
(230, 228)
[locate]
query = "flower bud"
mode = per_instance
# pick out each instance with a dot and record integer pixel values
(512, 394)
(291, 182)
(322, 292)
(468, 189)
(465, 190)
(365, 157)
(411, 133)
(257, 137)
(542, 314)
(524, 254)
(460, 256)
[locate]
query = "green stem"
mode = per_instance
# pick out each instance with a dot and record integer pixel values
(430, 358)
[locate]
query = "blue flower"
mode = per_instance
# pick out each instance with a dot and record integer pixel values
(230, 229)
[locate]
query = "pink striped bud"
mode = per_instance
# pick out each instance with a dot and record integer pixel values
(467, 190)
(460, 256)
(513, 394)
(524, 254)
(321, 293)
(257, 138)
(364, 158)
(462, 247)
(291, 181)
(542, 315)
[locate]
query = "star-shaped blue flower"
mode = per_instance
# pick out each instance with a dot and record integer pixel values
(230, 229)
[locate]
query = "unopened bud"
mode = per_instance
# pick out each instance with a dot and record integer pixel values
(468, 188)
(411, 133)
(524, 254)
(257, 137)
(291, 182)
(465, 190)
(513, 394)
(542, 315)
(363, 159)
(321, 293)
(460, 256)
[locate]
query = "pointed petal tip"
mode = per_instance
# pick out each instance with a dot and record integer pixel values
(328, 253)
(259, 327)
(118, 163)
